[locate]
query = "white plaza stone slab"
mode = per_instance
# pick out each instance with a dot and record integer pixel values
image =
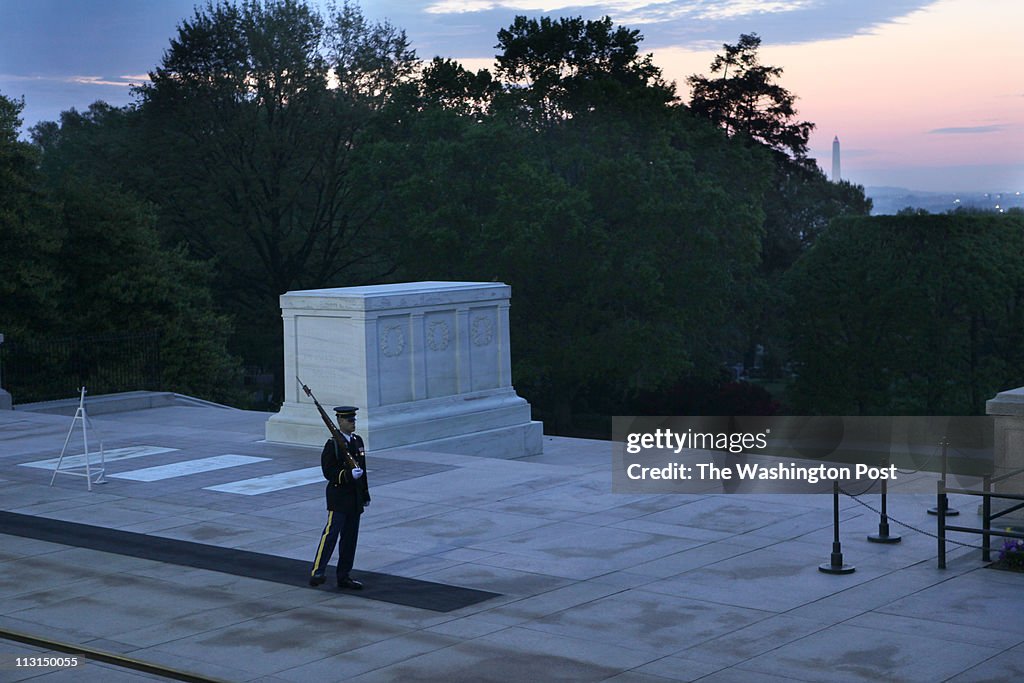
(271, 482)
(112, 455)
(555, 618)
(182, 469)
(427, 363)
(844, 653)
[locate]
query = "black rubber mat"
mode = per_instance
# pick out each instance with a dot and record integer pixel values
(399, 590)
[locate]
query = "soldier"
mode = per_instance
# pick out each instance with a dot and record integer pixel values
(347, 496)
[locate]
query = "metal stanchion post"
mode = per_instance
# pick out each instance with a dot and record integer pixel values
(947, 511)
(941, 508)
(883, 535)
(835, 564)
(986, 520)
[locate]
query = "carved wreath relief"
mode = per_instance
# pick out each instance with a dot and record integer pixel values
(438, 335)
(481, 331)
(392, 341)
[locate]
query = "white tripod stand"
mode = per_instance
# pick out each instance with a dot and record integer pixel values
(77, 469)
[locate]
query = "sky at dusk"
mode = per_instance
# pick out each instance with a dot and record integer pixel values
(923, 95)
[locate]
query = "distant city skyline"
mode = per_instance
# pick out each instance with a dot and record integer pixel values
(922, 94)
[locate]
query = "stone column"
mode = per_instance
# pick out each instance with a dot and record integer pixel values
(1007, 409)
(427, 363)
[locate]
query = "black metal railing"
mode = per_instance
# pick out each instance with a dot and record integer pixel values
(987, 515)
(48, 369)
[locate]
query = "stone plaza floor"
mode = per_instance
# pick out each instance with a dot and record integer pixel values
(592, 585)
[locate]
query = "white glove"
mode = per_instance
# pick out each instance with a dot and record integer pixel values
(357, 472)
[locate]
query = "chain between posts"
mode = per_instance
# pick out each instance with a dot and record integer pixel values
(855, 497)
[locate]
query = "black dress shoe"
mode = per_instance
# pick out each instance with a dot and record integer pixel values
(316, 579)
(350, 583)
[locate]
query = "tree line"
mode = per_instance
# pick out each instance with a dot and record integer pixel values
(276, 147)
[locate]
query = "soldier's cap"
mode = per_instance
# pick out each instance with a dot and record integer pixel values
(346, 411)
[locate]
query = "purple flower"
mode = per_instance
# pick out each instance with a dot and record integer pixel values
(1012, 553)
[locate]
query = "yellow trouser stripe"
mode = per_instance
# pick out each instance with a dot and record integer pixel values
(323, 540)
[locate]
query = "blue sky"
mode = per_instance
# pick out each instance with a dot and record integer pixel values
(907, 86)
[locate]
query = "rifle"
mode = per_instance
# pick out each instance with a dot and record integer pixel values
(339, 439)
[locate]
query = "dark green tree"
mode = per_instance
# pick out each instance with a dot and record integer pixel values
(744, 98)
(552, 69)
(97, 143)
(446, 84)
(118, 278)
(29, 231)
(625, 226)
(255, 127)
(369, 61)
(83, 258)
(913, 314)
(799, 206)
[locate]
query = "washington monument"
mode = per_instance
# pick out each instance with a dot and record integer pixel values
(836, 175)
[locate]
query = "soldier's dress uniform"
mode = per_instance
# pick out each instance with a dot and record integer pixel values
(346, 499)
